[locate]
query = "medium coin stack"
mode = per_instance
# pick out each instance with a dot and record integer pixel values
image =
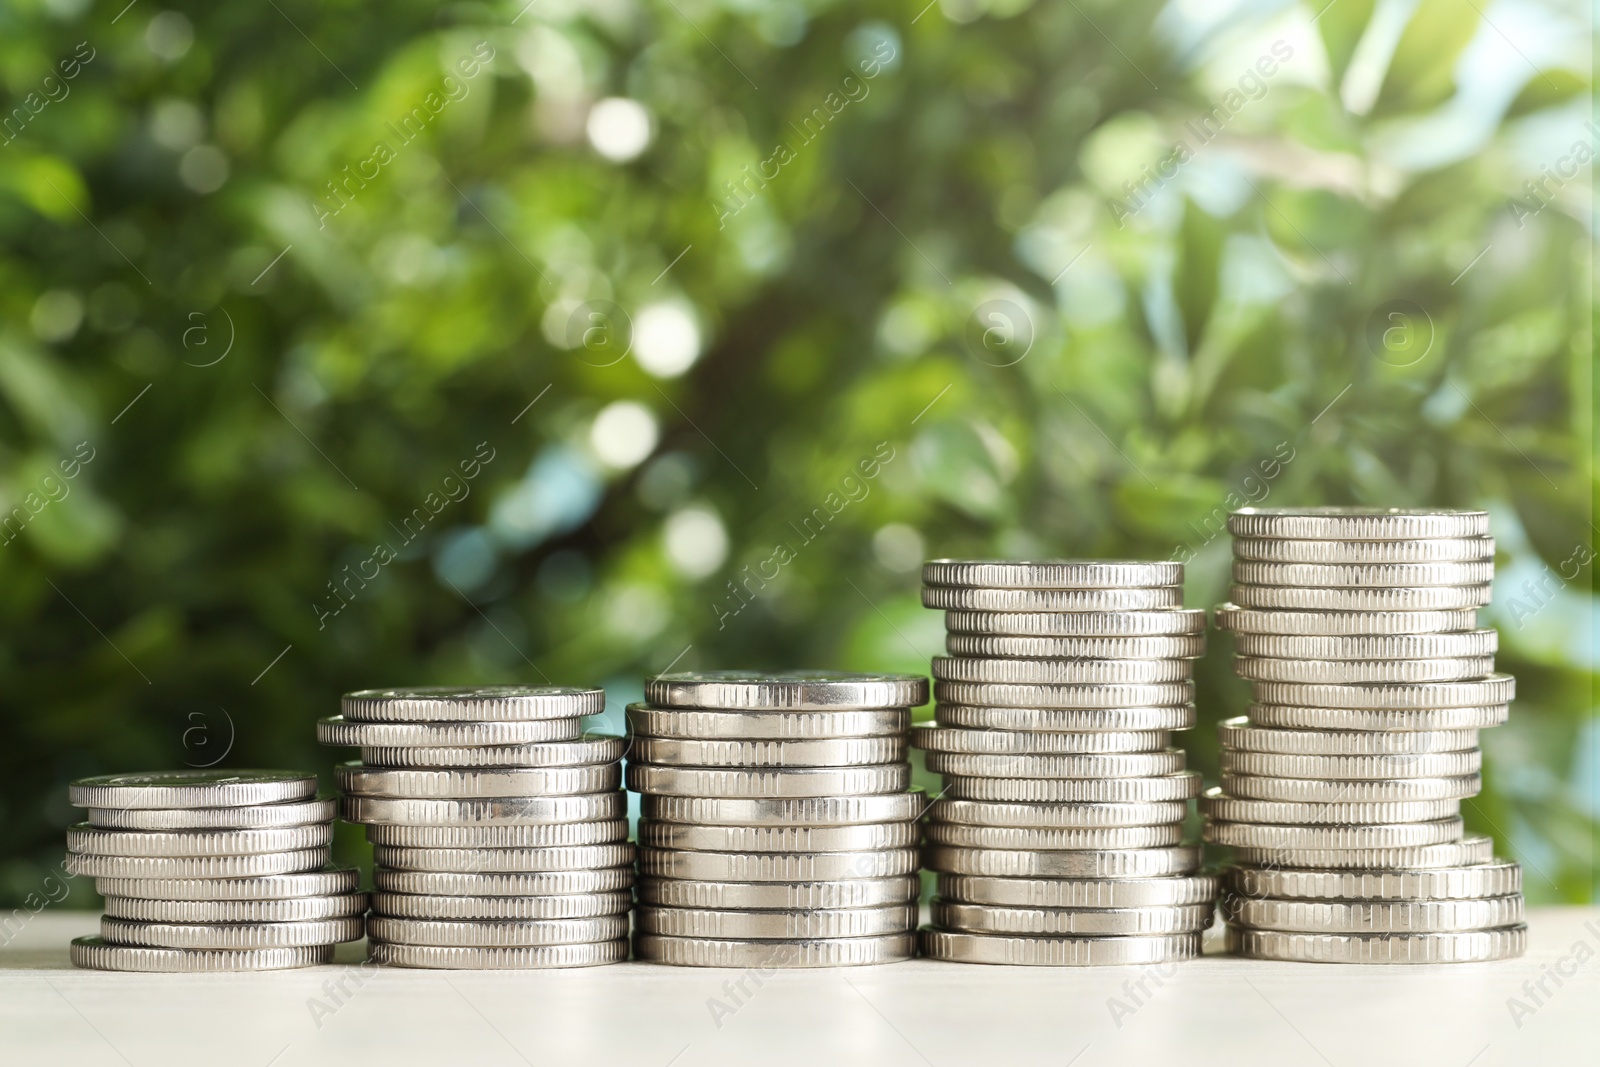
(1342, 788)
(1058, 837)
(500, 830)
(211, 870)
(777, 830)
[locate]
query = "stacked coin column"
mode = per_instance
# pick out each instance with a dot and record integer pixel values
(776, 830)
(500, 830)
(211, 871)
(1058, 836)
(1341, 790)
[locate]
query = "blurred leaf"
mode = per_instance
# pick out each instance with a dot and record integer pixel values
(1199, 266)
(1547, 89)
(1421, 73)
(1341, 25)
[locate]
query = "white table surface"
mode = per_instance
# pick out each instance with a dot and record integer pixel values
(918, 1014)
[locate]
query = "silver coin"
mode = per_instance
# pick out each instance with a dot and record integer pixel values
(778, 838)
(495, 860)
(1309, 598)
(784, 811)
(776, 867)
(517, 884)
(334, 730)
(497, 835)
(1468, 852)
(496, 933)
(1366, 575)
(1284, 715)
(1177, 646)
(1357, 523)
(1375, 917)
(1495, 689)
(1051, 573)
(1061, 671)
(956, 739)
(1071, 922)
(1077, 623)
(959, 947)
(446, 784)
(181, 867)
(1344, 672)
(1215, 804)
(291, 909)
(1322, 791)
(1170, 891)
(786, 690)
(333, 881)
(1074, 790)
(693, 724)
(1474, 946)
(765, 955)
(822, 752)
(95, 841)
(1369, 646)
(1493, 879)
(479, 958)
(792, 782)
(591, 750)
(1089, 863)
(491, 703)
(958, 598)
(780, 896)
(1419, 765)
(1242, 735)
(232, 936)
(801, 924)
(1056, 816)
(1326, 623)
(564, 906)
(95, 954)
(1094, 765)
(214, 788)
(1380, 835)
(1071, 838)
(1426, 550)
(244, 817)
(499, 811)
(994, 694)
(1067, 720)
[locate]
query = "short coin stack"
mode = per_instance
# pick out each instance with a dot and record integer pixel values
(500, 830)
(1341, 791)
(211, 870)
(776, 830)
(1058, 837)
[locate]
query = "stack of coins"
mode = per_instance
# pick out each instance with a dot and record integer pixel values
(1058, 838)
(211, 871)
(777, 830)
(500, 830)
(1341, 790)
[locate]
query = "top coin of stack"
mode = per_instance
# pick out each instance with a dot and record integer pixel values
(776, 830)
(1058, 837)
(500, 829)
(211, 870)
(1341, 791)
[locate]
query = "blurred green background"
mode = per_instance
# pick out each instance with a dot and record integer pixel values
(346, 346)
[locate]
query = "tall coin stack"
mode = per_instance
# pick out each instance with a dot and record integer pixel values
(1058, 837)
(1341, 791)
(211, 870)
(776, 829)
(500, 830)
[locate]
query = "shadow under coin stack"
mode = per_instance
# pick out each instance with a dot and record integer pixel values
(211, 870)
(500, 830)
(776, 829)
(1341, 791)
(1058, 836)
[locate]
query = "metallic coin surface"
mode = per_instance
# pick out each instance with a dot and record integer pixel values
(780, 896)
(1470, 851)
(486, 860)
(1171, 891)
(1165, 622)
(496, 933)
(516, 884)
(1071, 922)
(553, 906)
(1357, 523)
(694, 724)
(1346, 672)
(956, 739)
(1284, 715)
(501, 811)
(764, 955)
(1215, 804)
(958, 598)
(1328, 790)
(1005, 695)
(996, 813)
(332, 881)
(798, 924)
(446, 784)
(1369, 647)
(1388, 599)
(95, 841)
(1051, 573)
(1053, 838)
(232, 936)
(1075, 790)
(596, 748)
(1418, 765)
(790, 782)
(1060, 671)
(477, 958)
(335, 730)
(1368, 575)
(1475, 946)
(1176, 646)
(784, 811)
(1326, 623)
(1240, 734)
(776, 867)
(1377, 917)
(1067, 720)
(180, 867)
(95, 953)
(786, 690)
(492, 703)
(1381, 835)
(1427, 550)
(1492, 879)
(291, 909)
(1017, 951)
(210, 788)
(778, 838)
(496, 835)
(242, 817)
(1092, 863)
(823, 752)
(1494, 689)
(1094, 765)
